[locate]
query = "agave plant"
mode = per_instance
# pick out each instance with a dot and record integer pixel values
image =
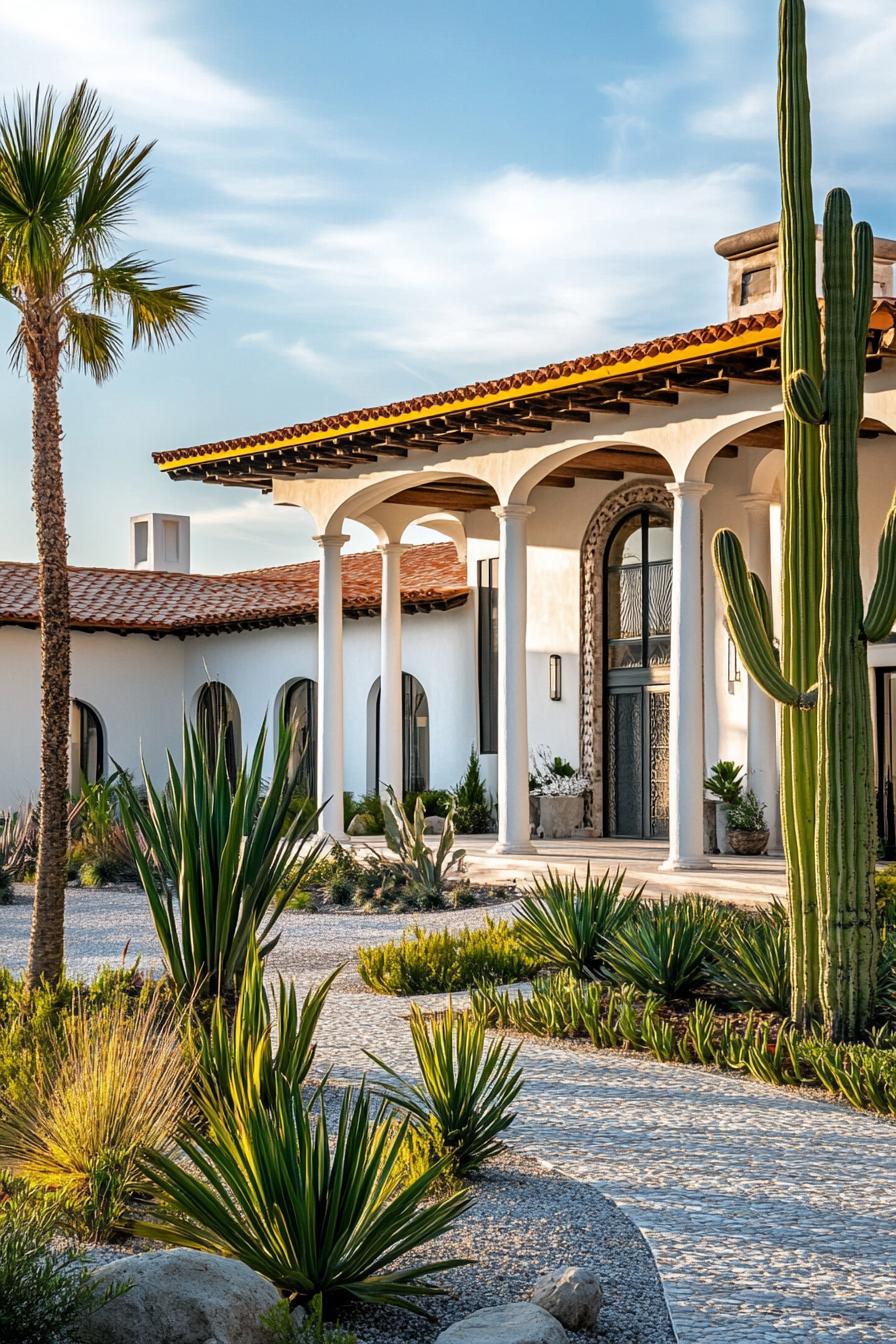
(218, 861)
(314, 1212)
(665, 947)
(752, 963)
(565, 924)
(426, 869)
(18, 845)
(252, 1048)
(463, 1101)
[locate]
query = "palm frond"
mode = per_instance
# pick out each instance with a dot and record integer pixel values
(104, 199)
(158, 314)
(93, 344)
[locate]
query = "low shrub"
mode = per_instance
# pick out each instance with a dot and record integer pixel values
(885, 891)
(466, 1091)
(445, 961)
(435, 802)
(317, 1213)
(473, 807)
(282, 1327)
(566, 925)
(664, 947)
(369, 805)
(113, 1083)
(45, 1287)
(344, 877)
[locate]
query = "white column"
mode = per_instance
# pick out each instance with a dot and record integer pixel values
(762, 751)
(330, 729)
(513, 709)
(391, 714)
(686, 765)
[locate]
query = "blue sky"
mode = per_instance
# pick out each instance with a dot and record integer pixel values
(386, 199)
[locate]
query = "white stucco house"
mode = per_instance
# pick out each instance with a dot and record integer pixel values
(572, 603)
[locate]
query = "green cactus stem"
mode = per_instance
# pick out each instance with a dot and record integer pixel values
(821, 680)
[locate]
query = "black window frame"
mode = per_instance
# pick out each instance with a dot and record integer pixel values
(487, 654)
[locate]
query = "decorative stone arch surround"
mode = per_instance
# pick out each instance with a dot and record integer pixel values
(612, 509)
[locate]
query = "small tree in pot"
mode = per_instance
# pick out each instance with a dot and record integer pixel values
(747, 826)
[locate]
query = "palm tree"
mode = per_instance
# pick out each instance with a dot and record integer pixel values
(67, 187)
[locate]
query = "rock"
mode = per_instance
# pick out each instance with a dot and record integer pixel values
(433, 825)
(362, 823)
(180, 1297)
(517, 1323)
(571, 1294)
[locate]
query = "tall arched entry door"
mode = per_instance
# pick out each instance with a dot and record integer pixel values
(637, 630)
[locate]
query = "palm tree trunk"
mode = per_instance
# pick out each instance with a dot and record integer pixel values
(46, 951)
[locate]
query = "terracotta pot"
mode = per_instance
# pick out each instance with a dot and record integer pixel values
(748, 842)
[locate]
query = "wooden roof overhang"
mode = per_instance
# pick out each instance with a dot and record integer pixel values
(708, 361)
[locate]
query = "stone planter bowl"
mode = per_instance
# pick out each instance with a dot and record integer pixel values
(748, 842)
(560, 817)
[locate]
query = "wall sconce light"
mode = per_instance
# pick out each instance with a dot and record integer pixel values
(555, 676)
(733, 661)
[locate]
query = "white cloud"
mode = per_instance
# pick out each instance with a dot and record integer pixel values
(122, 49)
(516, 268)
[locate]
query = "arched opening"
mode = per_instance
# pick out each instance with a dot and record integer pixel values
(218, 722)
(637, 644)
(299, 700)
(88, 746)
(414, 735)
(628, 500)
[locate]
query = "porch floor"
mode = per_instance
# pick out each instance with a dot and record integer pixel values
(729, 877)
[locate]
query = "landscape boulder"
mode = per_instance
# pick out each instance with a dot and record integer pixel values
(362, 823)
(433, 825)
(571, 1294)
(516, 1323)
(180, 1297)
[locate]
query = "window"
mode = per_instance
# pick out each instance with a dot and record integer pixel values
(414, 734)
(218, 722)
(756, 284)
(639, 592)
(300, 714)
(88, 749)
(487, 585)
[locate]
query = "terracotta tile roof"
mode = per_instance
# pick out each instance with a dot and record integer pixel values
(528, 381)
(142, 601)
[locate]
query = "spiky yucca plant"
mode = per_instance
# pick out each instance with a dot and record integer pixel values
(219, 861)
(566, 924)
(821, 678)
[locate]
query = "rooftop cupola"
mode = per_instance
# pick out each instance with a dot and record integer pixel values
(161, 541)
(754, 281)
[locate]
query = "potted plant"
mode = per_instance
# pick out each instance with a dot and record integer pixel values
(747, 827)
(724, 784)
(556, 796)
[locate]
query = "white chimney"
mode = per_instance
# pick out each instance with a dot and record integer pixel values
(754, 278)
(161, 541)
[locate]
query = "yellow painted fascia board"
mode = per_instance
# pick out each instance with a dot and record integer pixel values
(604, 374)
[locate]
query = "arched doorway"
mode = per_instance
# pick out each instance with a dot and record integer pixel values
(637, 644)
(414, 735)
(300, 714)
(88, 746)
(218, 721)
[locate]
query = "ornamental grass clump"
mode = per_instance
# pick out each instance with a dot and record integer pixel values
(444, 961)
(218, 861)
(665, 947)
(315, 1210)
(113, 1085)
(567, 925)
(463, 1100)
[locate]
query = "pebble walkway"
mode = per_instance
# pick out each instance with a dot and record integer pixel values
(770, 1213)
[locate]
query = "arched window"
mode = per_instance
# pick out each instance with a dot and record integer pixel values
(218, 719)
(637, 633)
(414, 735)
(88, 749)
(300, 714)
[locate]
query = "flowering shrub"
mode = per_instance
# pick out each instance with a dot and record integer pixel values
(552, 777)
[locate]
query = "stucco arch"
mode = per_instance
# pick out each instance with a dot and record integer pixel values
(566, 453)
(698, 463)
(627, 498)
(379, 493)
(766, 476)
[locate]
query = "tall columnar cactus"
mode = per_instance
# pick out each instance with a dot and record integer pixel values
(821, 675)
